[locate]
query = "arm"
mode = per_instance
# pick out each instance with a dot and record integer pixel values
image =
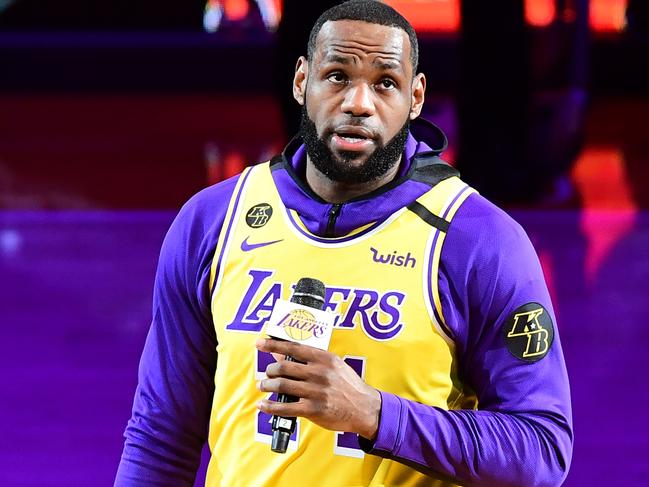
(169, 422)
(522, 433)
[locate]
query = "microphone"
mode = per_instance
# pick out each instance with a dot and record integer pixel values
(308, 292)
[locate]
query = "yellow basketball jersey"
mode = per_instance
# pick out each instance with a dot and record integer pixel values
(381, 284)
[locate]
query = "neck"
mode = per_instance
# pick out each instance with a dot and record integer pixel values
(340, 192)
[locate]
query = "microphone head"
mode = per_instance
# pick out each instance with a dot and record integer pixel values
(313, 287)
(309, 292)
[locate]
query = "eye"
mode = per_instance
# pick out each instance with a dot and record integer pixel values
(387, 84)
(336, 77)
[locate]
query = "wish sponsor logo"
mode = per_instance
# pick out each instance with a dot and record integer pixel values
(393, 258)
(377, 313)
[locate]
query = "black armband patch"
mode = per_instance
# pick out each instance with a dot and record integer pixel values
(529, 332)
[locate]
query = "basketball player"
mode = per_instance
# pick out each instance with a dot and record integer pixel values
(445, 366)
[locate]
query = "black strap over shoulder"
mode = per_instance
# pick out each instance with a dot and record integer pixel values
(276, 162)
(429, 217)
(431, 170)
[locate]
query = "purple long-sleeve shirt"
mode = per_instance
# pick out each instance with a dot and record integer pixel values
(521, 435)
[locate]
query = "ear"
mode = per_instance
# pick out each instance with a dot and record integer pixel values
(418, 95)
(299, 80)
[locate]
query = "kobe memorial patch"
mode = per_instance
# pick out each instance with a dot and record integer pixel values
(258, 215)
(529, 332)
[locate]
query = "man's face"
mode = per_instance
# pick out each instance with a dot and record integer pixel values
(358, 96)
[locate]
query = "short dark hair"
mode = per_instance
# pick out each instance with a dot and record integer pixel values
(372, 11)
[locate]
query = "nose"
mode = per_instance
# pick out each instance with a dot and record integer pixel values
(358, 101)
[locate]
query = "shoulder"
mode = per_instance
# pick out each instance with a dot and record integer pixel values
(483, 237)
(199, 221)
(488, 267)
(207, 206)
(484, 227)
(189, 245)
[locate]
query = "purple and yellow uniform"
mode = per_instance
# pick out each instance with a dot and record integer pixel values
(441, 305)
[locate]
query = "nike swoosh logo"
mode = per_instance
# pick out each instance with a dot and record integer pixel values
(246, 247)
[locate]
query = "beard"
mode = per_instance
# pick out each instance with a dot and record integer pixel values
(341, 168)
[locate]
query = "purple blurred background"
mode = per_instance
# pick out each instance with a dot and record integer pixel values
(111, 119)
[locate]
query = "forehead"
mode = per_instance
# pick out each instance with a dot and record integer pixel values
(362, 40)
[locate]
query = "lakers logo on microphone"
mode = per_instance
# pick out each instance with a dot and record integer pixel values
(301, 325)
(297, 323)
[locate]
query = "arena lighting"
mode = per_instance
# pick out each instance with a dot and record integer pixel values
(430, 15)
(442, 16)
(237, 10)
(605, 15)
(601, 179)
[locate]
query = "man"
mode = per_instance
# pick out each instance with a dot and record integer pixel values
(444, 367)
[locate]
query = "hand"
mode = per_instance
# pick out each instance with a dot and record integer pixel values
(330, 393)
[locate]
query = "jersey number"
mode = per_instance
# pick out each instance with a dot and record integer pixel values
(345, 444)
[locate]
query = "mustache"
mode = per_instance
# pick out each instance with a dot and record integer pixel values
(355, 124)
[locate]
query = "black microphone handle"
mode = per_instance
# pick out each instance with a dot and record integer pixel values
(311, 302)
(311, 293)
(283, 426)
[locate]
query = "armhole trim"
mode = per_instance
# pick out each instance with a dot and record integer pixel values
(431, 263)
(223, 244)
